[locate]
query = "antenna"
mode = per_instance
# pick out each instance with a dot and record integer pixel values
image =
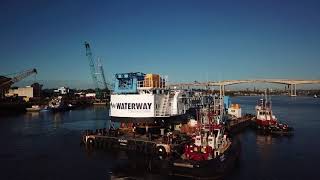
(266, 98)
(270, 104)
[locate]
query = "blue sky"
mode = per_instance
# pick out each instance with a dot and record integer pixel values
(186, 40)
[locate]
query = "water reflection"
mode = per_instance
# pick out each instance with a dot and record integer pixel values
(134, 166)
(31, 115)
(264, 145)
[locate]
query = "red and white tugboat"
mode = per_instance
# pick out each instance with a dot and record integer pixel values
(212, 153)
(266, 121)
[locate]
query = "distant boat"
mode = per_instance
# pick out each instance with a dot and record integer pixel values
(34, 108)
(57, 104)
(315, 96)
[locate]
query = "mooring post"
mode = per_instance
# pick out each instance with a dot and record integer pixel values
(162, 131)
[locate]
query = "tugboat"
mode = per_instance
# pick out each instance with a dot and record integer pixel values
(211, 153)
(266, 121)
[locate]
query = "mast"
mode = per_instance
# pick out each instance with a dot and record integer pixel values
(270, 105)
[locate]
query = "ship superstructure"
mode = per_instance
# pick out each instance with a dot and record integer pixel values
(140, 97)
(265, 119)
(264, 114)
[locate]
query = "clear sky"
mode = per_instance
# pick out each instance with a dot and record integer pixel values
(186, 40)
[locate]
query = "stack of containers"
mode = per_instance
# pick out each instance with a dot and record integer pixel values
(152, 80)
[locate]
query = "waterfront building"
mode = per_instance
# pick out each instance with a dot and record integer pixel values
(33, 91)
(62, 90)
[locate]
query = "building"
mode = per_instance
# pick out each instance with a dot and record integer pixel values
(25, 92)
(80, 94)
(91, 95)
(62, 90)
(33, 91)
(36, 89)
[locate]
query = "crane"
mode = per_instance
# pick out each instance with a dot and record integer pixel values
(92, 69)
(102, 75)
(5, 82)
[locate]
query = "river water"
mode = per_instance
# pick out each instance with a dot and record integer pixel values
(47, 146)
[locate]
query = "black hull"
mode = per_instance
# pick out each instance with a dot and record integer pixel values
(209, 169)
(282, 133)
(236, 126)
(273, 131)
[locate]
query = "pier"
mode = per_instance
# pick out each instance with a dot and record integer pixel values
(240, 124)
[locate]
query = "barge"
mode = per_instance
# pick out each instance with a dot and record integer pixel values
(184, 133)
(236, 121)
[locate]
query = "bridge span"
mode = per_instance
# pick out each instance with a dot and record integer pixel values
(291, 83)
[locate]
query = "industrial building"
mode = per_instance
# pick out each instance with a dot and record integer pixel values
(33, 91)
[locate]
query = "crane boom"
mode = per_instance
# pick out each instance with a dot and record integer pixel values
(7, 82)
(102, 74)
(92, 68)
(19, 77)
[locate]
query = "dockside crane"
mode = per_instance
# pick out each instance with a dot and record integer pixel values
(92, 69)
(102, 75)
(6, 82)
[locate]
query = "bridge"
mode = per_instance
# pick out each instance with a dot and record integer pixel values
(291, 83)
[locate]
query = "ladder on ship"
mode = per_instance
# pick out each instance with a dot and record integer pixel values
(164, 106)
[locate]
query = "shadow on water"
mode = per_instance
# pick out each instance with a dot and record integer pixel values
(130, 165)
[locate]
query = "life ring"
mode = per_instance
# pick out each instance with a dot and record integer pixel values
(161, 152)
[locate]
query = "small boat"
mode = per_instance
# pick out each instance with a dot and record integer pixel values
(57, 104)
(267, 122)
(315, 96)
(34, 108)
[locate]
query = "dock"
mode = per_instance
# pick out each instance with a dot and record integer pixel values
(240, 124)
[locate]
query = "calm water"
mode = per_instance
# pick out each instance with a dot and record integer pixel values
(46, 145)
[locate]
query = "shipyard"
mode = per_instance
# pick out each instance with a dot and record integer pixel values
(152, 90)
